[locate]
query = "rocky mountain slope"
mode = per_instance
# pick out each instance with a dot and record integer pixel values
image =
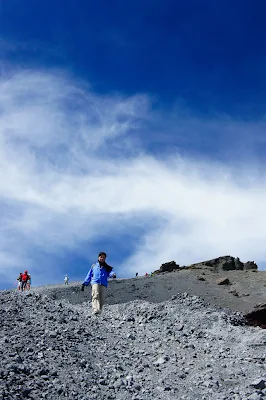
(177, 335)
(242, 289)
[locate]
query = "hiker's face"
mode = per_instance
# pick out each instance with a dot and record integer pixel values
(102, 258)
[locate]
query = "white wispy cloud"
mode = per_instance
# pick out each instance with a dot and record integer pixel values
(72, 161)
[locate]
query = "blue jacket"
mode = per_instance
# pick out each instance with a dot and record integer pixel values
(98, 274)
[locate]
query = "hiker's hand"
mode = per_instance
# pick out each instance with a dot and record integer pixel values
(82, 288)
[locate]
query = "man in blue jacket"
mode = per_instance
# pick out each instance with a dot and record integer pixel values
(98, 277)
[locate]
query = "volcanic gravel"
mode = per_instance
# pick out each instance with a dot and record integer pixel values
(181, 348)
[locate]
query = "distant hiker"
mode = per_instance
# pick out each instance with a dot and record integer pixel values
(19, 279)
(98, 277)
(25, 278)
(28, 282)
(66, 279)
(137, 274)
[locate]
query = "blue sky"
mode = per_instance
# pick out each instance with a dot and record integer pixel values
(132, 127)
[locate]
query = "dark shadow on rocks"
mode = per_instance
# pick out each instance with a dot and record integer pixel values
(257, 317)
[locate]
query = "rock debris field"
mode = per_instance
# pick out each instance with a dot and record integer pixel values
(181, 348)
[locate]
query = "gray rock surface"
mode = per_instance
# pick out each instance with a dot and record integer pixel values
(180, 348)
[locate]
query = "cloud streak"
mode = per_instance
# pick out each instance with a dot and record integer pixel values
(72, 161)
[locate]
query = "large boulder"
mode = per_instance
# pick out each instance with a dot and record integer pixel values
(223, 281)
(250, 265)
(168, 267)
(225, 263)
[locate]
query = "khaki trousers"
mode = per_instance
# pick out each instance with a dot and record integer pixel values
(98, 293)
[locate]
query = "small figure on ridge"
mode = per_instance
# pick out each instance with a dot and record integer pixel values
(28, 282)
(25, 278)
(19, 279)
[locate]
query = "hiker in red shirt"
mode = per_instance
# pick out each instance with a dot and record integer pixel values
(25, 279)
